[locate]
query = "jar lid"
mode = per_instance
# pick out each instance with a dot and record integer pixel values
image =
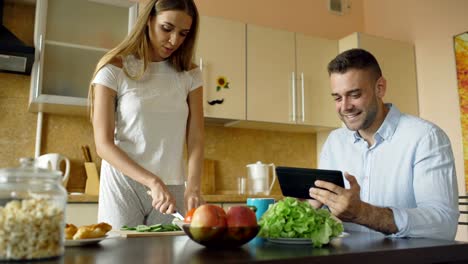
(27, 168)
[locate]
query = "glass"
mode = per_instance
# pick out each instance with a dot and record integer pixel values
(241, 185)
(32, 207)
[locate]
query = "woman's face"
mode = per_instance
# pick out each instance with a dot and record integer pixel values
(167, 31)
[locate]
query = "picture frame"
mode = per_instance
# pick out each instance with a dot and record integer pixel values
(460, 43)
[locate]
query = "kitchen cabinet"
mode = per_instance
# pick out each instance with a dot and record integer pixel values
(221, 55)
(287, 80)
(397, 61)
(271, 75)
(316, 106)
(81, 214)
(70, 37)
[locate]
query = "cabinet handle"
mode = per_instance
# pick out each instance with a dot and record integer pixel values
(132, 16)
(40, 44)
(201, 64)
(302, 99)
(38, 72)
(293, 96)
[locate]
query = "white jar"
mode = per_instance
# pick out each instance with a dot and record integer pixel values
(32, 212)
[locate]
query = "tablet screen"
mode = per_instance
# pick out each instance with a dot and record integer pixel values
(296, 182)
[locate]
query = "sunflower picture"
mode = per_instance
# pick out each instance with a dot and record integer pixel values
(221, 83)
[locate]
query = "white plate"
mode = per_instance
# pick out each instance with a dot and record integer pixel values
(298, 241)
(89, 241)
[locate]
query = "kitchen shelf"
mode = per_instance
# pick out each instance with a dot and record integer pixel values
(82, 198)
(69, 47)
(76, 46)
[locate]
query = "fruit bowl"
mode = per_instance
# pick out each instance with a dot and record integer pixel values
(221, 237)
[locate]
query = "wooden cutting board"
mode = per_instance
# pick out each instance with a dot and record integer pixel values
(208, 178)
(149, 234)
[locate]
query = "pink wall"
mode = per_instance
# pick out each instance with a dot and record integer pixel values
(305, 16)
(430, 25)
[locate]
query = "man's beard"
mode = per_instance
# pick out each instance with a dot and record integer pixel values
(371, 114)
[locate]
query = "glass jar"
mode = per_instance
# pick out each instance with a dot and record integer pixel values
(32, 212)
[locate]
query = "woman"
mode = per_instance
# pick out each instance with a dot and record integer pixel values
(146, 103)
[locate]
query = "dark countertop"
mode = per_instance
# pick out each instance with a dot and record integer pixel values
(356, 248)
(209, 198)
(235, 198)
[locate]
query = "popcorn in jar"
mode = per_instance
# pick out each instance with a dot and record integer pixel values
(32, 205)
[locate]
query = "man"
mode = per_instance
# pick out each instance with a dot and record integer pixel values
(399, 168)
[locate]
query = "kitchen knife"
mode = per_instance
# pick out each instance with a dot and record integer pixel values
(178, 215)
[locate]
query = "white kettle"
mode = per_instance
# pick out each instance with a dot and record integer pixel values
(259, 178)
(52, 161)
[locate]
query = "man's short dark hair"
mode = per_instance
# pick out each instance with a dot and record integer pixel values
(355, 59)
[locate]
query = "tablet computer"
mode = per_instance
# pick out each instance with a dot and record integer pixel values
(296, 182)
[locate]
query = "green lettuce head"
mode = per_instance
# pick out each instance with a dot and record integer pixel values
(291, 218)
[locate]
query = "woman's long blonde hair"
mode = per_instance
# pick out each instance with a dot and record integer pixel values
(137, 42)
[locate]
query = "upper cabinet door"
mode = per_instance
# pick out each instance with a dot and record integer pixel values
(220, 54)
(315, 104)
(271, 85)
(70, 37)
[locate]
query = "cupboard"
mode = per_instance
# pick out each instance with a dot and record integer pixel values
(270, 75)
(317, 107)
(70, 37)
(221, 55)
(287, 81)
(272, 78)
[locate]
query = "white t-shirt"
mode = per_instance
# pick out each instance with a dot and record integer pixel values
(151, 116)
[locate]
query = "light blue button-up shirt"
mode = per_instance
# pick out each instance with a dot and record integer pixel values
(410, 169)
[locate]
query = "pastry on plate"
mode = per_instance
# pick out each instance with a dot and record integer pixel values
(88, 231)
(92, 231)
(70, 230)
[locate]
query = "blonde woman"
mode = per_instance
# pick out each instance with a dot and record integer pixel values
(145, 106)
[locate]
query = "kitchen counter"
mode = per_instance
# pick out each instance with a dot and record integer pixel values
(209, 198)
(235, 198)
(82, 198)
(357, 247)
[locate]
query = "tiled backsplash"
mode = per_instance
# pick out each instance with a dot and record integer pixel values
(234, 148)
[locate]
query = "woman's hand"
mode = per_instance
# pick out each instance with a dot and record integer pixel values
(192, 198)
(163, 201)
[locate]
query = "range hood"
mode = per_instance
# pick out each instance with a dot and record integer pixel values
(15, 55)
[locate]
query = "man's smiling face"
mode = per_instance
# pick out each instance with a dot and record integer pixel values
(356, 100)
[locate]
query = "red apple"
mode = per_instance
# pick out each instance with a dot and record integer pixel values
(208, 223)
(240, 216)
(242, 224)
(208, 215)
